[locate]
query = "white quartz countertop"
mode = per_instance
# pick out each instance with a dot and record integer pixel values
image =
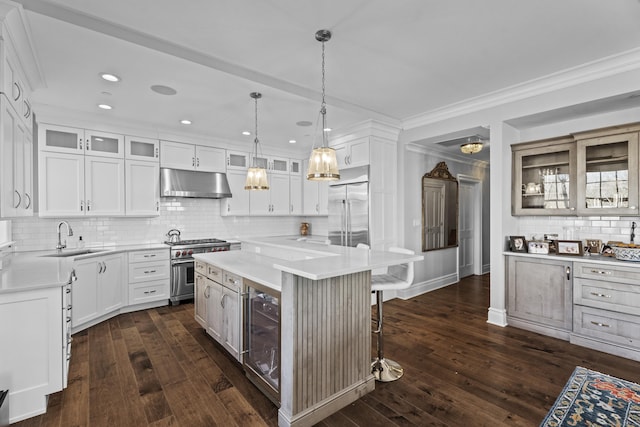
(26, 271)
(263, 259)
(23, 271)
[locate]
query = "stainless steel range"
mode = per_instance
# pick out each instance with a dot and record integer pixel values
(182, 264)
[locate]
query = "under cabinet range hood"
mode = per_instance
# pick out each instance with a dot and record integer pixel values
(184, 183)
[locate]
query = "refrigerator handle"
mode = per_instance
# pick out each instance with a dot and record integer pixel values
(349, 236)
(343, 228)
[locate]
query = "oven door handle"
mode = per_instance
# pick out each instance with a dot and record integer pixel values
(186, 261)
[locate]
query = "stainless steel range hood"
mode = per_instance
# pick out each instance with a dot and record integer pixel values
(184, 183)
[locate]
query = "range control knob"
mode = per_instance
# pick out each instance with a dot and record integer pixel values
(190, 252)
(178, 253)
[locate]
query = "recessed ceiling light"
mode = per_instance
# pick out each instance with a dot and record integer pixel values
(292, 141)
(304, 123)
(185, 122)
(105, 106)
(110, 77)
(163, 90)
(327, 129)
(246, 133)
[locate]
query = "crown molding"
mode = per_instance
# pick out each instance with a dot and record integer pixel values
(378, 129)
(590, 71)
(438, 153)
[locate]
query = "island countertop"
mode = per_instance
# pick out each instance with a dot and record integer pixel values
(263, 259)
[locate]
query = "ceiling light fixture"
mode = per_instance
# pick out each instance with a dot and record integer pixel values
(105, 106)
(323, 164)
(110, 77)
(256, 176)
(185, 121)
(246, 133)
(472, 146)
(292, 141)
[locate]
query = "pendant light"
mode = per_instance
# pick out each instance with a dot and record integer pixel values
(472, 146)
(256, 176)
(323, 164)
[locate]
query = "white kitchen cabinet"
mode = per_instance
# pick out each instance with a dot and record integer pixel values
(71, 140)
(99, 290)
(145, 149)
(239, 202)
(237, 160)
(149, 273)
(295, 167)
(274, 201)
(315, 195)
(200, 299)
(16, 198)
(217, 299)
(16, 91)
(295, 194)
(104, 186)
(178, 155)
(61, 184)
(142, 188)
(32, 325)
(352, 153)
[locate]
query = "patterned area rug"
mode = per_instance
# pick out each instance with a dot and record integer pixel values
(593, 399)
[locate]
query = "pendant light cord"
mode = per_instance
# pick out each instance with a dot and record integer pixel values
(323, 105)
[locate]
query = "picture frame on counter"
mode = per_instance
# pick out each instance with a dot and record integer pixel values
(569, 247)
(537, 247)
(517, 244)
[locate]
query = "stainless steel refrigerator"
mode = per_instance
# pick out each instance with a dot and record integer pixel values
(349, 208)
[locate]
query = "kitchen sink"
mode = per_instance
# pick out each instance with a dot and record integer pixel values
(75, 252)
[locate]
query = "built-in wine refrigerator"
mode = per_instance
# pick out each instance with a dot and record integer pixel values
(262, 338)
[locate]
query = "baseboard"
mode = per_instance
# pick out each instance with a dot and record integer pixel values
(497, 317)
(549, 331)
(486, 268)
(605, 346)
(427, 286)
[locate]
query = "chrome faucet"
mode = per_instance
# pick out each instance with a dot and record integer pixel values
(61, 245)
(633, 231)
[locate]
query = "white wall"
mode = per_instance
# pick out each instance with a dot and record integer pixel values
(439, 268)
(571, 93)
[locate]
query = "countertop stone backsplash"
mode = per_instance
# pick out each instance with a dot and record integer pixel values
(195, 218)
(604, 228)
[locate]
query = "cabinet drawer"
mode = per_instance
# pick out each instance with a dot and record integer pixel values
(617, 273)
(607, 325)
(153, 255)
(150, 291)
(146, 271)
(201, 268)
(232, 281)
(214, 273)
(620, 297)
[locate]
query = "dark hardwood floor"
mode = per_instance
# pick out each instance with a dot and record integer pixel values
(158, 368)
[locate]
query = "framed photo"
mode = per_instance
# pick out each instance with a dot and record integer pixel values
(569, 247)
(594, 246)
(517, 244)
(538, 247)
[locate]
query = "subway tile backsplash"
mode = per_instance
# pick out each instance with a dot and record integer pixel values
(580, 228)
(195, 218)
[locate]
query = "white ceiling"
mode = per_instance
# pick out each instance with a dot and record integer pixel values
(387, 60)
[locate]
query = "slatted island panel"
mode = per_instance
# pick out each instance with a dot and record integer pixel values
(325, 345)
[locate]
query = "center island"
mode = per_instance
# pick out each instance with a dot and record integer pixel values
(296, 312)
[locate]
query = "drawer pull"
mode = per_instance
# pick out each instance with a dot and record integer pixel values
(608, 272)
(150, 292)
(149, 256)
(604, 325)
(597, 294)
(149, 271)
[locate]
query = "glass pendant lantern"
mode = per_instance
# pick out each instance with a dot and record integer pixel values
(256, 176)
(323, 164)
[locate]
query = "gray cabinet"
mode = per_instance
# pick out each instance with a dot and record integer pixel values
(539, 295)
(606, 311)
(544, 178)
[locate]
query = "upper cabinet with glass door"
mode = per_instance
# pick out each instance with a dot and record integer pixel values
(544, 177)
(63, 139)
(608, 171)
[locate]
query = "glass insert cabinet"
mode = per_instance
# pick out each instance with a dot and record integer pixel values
(587, 173)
